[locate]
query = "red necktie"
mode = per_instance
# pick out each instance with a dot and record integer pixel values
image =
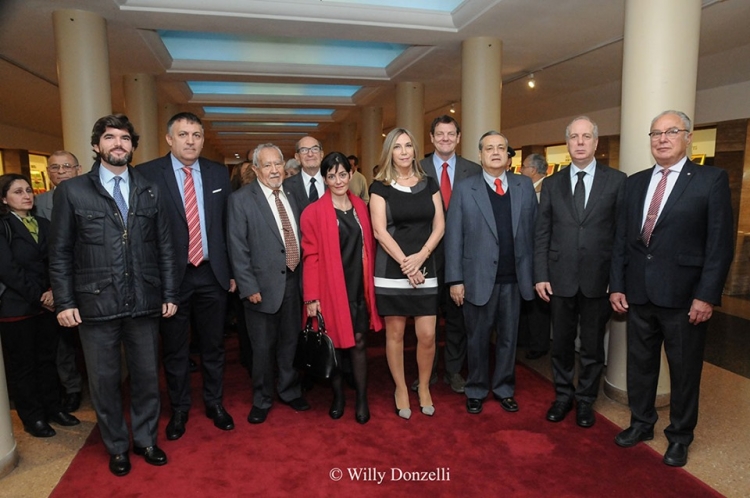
(653, 208)
(499, 186)
(445, 186)
(195, 246)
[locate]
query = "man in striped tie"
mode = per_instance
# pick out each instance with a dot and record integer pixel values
(674, 246)
(196, 192)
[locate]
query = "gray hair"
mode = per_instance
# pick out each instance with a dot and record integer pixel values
(686, 122)
(538, 163)
(259, 148)
(493, 132)
(292, 165)
(579, 118)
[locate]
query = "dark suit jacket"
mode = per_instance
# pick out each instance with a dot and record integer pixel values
(256, 248)
(23, 268)
(572, 255)
(691, 247)
(295, 187)
(471, 238)
(216, 190)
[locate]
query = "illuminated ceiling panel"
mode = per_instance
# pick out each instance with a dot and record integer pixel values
(271, 89)
(437, 5)
(225, 47)
(250, 111)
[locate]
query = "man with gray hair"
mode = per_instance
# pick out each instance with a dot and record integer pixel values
(264, 249)
(572, 254)
(63, 165)
(535, 167)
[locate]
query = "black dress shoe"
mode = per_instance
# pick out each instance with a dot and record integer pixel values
(474, 405)
(337, 408)
(558, 410)
(535, 355)
(257, 415)
(585, 414)
(221, 418)
(509, 404)
(152, 454)
(40, 428)
(64, 419)
(298, 404)
(71, 402)
(119, 464)
(632, 436)
(176, 425)
(676, 455)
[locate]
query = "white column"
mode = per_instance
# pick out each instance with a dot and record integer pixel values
(660, 69)
(83, 77)
(142, 109)
(165, 113)
(481, 89)
(410, 111)
(372, 139)
(347, 140)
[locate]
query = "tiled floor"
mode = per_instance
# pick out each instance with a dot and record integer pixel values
(719, 456)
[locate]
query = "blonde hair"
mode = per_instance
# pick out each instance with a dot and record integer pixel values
(387, 173)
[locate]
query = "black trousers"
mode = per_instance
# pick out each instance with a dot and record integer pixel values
(534, 324)
(593, 314)
(274, 337)
(650, 326)
(31, 351)
(203, 298)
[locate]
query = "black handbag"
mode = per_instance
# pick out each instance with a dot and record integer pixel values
(315, 352)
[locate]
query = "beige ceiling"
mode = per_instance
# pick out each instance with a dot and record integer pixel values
(573, 47)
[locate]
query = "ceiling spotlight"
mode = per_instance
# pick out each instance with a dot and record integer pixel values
(532, 81)
(453, 108)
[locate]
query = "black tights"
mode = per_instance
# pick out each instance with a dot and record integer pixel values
(358, 356)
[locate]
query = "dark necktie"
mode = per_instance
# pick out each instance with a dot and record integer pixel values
(445, 186)
(313, 194)
(579, 195)
(122, 206)
(653, 207)
(499, 186)
(195, 246)
(290, 243)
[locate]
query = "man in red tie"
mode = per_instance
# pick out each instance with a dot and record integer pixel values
(673, 250)
(196, 192)
(448, 168)
(488, 253)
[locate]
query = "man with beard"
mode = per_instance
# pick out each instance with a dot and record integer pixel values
(112, 270)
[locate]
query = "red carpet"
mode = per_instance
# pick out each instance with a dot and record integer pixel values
(303, 454)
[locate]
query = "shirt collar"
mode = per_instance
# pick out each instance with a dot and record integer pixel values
(675, 167)
(177, 165)
(106, 175)
(589, 169)
(438, 162)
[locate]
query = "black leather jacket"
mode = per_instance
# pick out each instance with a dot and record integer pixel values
(98, 266)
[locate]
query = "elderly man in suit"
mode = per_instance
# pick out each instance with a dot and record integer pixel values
(265, 254)
(672, 254)
(572, 253)
(488, 247)
(196, 190)
(307, 186)
(448, 168)
(63, 165)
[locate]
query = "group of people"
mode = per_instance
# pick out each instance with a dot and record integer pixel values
(130, 256)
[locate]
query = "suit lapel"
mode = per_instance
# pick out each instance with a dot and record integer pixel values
(686, 176)
(265, 209)
(481, 197)
(516, 201)
(208, 195)
(566, 192)
(597, 187)
(174, 191)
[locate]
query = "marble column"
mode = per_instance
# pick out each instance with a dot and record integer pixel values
(83, 77)
(164, 114)
(347, 140)
(481, 88)
(142, 109)
(660, 69)
(410, 111)
(371, 124)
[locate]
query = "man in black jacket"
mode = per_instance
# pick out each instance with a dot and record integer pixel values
(112, 270)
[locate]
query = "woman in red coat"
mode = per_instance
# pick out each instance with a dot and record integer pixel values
(338, 254)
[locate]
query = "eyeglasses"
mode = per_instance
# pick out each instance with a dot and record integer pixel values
(306, 150)
(670, 133)
(63, 167)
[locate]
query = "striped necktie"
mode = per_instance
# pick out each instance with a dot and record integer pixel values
(195, 244)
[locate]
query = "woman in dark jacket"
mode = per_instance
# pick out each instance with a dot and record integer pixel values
(27, 324)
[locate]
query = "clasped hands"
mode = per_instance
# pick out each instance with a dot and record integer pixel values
(411, 266)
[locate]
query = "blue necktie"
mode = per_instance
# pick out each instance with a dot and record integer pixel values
(120, 201)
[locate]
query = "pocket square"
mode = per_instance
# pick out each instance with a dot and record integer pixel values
(217, 190)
